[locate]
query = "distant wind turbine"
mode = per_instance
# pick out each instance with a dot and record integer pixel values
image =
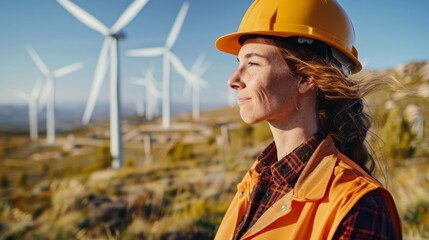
(166, 52)
(152, 92)
(110, 44)
(32, 107)
(192, 78)
(140, 106)
(232, 97)
(50, 89)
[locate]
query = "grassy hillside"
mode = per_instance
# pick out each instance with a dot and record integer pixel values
(400, 109)
(179, 184)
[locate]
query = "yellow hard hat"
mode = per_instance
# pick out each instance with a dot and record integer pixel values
(323, 20)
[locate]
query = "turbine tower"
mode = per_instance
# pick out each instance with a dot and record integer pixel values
(50, 89)
(198, 68)
(166, 52)
(232, 97)
(110, 45)
(140, 106)
(152, 92)
(32, 99)
(192, 78)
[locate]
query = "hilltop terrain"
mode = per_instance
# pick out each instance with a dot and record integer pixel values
(177, 184)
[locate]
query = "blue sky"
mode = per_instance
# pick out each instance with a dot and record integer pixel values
(389, 33)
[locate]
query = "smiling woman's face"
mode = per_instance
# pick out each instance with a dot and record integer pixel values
(266, 88)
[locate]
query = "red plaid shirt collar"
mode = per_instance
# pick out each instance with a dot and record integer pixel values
(286, 171)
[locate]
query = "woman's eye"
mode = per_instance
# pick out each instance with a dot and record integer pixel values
(253, 63)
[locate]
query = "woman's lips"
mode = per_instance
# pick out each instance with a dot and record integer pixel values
(241, 100)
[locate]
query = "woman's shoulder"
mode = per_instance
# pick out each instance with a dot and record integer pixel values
(349, 181)
(347, 170)
(369, 218)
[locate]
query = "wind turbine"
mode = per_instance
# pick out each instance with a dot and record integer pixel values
(152, 92)
(232, 97)
(192, 77)
(110, 44)
(166, 52)
(50, 89)
(140, 106)
(32, 107)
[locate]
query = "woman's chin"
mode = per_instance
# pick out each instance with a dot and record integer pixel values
(250, 119)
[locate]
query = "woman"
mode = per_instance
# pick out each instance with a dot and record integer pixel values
(314, 181)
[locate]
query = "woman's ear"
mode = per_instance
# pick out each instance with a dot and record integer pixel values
(304, 86)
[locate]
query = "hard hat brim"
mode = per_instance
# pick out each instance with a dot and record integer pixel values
(230, 43)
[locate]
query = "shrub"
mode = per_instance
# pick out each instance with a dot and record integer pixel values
(129, 162)
(104, 156)
(93, 167)
(4, 181)
(400, 141)
(22, 179)
(180, 151)
(52, 173)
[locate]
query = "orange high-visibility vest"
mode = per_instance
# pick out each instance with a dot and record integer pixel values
(328, 187)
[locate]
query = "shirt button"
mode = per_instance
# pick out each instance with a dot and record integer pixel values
(242, 193)
(284, 207)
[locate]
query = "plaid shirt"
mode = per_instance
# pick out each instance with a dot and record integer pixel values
(368, 219)
(276, 179)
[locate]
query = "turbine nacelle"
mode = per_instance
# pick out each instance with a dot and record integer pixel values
(118, 36)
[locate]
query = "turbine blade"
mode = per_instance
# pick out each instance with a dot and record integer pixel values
(178, 65)
(45, 94)
(186, 90)
(21, 95)
(138, 81)
(128, 15)
(151, 84)
(146, 52)
(99, 75)
(198, 62)
(158, 93)
(196, 81)
(200, 71)
(154, 92)
(200, 82)
(157, 84)
(177, 25)
(35, 93)
(190, 77)
(68, 69)
(149, 73)
(84, 17)
(200, 67)
(40, 64)
(152, 81)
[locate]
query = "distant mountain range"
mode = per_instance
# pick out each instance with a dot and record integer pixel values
(69, 115)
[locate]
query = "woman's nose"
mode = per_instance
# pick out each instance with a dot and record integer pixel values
(235, 81)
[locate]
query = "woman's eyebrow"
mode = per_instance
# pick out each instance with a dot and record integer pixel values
(252, 54)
